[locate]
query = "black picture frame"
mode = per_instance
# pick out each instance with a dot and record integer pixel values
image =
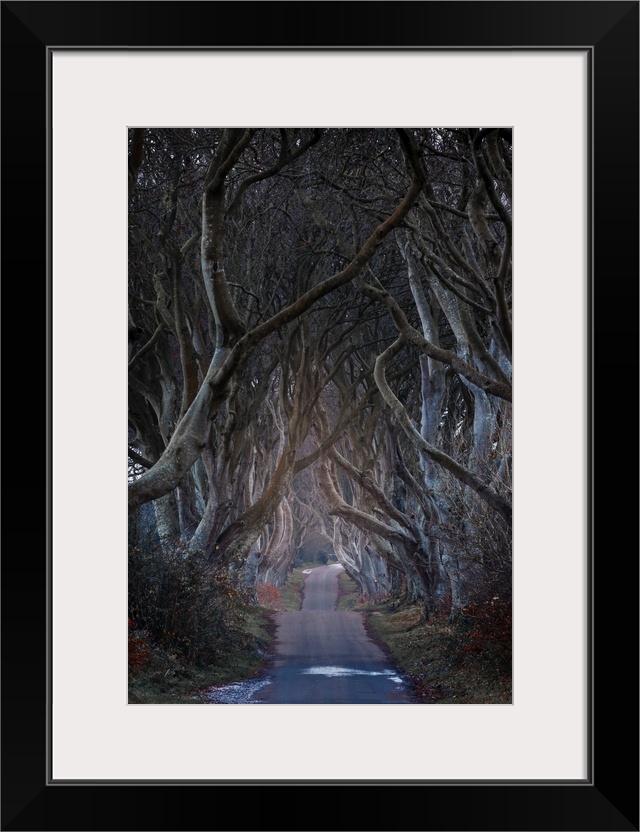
(608, 799)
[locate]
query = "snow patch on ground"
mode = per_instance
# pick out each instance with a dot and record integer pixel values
(333, 671)
(240, 693)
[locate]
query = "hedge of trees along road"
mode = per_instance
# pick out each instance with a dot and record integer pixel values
(320, 347)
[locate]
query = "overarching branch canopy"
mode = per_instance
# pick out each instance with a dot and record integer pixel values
(320, 344)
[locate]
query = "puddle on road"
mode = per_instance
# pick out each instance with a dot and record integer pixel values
(240, 693)
(333, 671)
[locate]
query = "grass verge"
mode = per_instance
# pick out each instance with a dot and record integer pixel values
(348, 593)
(465, 662)
(292, 592)
(162, 678)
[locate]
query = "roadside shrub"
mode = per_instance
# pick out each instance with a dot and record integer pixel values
(269, 596)
(139, 648)
(486, 628)
(184, 604)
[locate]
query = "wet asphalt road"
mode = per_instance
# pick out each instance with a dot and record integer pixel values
(324, 656)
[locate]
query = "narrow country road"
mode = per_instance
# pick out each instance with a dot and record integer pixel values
(324, 656)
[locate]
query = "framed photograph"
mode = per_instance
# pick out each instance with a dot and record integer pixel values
(562, 78)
